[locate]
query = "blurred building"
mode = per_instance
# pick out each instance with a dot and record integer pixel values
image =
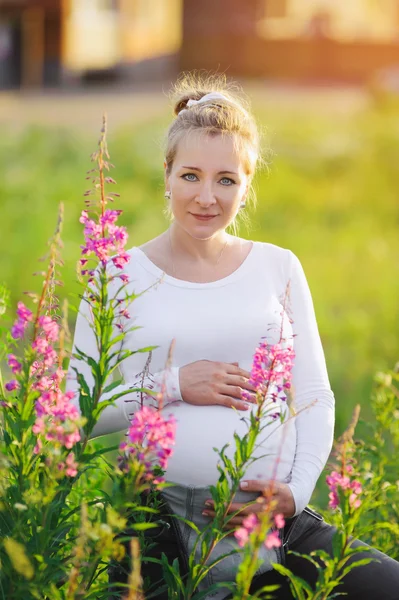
(30, 42)
(345, 40)
(50, 42)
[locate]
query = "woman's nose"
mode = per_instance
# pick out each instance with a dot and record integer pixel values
(206, 197)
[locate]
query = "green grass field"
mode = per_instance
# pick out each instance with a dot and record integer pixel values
(331, 196)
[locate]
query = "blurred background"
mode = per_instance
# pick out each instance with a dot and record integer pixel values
(323, 78)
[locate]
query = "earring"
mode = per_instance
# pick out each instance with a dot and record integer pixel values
(242, 205)
(167, 195)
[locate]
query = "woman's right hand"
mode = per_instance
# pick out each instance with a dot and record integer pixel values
(207, 382)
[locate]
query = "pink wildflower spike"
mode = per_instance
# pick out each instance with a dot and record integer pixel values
(50, 328)
(150, 439)
(272, 366)
(121, 260)
(356, 486)
(18, 330)
(71, 470)
(12, 385)
(24, 317)
(40, 345)
(250, 522)
(14, 364)
(24, 314)
(279, 520)
(84, 216)
(273, 540)
(335, 480)
(57, 417)
(241, 536)
(110, 217)
(354, 501)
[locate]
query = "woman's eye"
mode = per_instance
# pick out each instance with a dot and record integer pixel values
(186, 175)
(228, 180)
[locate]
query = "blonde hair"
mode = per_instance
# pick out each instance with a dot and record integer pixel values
(223, 116)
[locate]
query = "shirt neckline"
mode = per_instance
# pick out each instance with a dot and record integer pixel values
(244, 267)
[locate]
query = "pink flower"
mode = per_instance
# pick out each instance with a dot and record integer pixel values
(50, 328)
(273, 540)
(250, 522)
(279, 520)
(150, 439)
(110, 217)
(336, 480)
(40, 345)
(18, 330)
(56, 418)
(24, 314)
(248, 525)
(104, 238)
(24, 317)
(72, 465)
(272, 366)
(121, 260)
(12, 385)
(14, 364)
(241, 536)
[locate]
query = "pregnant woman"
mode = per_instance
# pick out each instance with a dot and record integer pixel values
(217, 295)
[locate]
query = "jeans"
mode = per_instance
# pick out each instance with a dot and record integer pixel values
(304, 533)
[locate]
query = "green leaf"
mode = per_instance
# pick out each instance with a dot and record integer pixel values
(112, 386)
(143, 526)
(357, 563)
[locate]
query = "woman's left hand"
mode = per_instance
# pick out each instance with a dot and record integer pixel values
(279, 492)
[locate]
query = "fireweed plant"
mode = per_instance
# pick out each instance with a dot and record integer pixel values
(271, 375)
(58, 527)
(348, 504)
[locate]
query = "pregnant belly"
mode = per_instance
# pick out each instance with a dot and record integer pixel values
(202, 428)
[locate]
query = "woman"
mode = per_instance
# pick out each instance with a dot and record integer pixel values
(217, 296)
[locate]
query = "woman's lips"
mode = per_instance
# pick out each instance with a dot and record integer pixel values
(201, 218)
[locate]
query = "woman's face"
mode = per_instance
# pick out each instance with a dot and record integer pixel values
(207, 178)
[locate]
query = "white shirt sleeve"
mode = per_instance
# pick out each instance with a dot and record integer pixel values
(315, 424)
(115, 417)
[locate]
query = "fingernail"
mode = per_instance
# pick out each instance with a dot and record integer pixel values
(207, 503)
(243, 484)
(205, 513)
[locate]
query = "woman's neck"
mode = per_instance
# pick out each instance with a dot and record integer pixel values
(197, 250)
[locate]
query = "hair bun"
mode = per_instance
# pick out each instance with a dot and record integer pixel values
(181, 104)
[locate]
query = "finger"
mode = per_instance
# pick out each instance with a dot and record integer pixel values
(265, 486)
(230, 402)
(234, 389)
(238, 370)
(241, 381)
(245, 509)
(234, 523)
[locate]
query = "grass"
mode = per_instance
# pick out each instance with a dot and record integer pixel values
(331, 196)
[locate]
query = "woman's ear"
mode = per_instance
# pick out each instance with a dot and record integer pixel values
(166, 177)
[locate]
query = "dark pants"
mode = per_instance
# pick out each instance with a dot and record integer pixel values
(307, 532)
(304, 533)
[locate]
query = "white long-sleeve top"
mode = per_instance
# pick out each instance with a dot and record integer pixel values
(223, 320)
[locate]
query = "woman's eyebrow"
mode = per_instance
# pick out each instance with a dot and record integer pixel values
(200, 170)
